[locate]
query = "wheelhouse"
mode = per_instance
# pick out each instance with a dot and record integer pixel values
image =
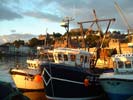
(42, 57)
(72, 57)
(123, 62)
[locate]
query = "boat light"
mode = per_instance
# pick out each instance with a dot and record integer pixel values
(86, 82)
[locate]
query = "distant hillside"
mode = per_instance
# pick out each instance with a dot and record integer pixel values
(12, 37)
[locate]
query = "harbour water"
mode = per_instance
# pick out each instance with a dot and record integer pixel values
(8, 62)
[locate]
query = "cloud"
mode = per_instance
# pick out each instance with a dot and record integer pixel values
(67, 3)
(42, 15)
(13, 31)
(56, 10)
(13, 37)
(81, 9)
(8, 14)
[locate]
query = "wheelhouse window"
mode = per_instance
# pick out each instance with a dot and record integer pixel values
(128, 64)
(120, 64)
(72, 57)
(59, 57)
(65, 57)
(85, 59)
(81, 58)
(51, 57)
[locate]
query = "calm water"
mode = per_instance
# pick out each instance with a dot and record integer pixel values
(6, 63)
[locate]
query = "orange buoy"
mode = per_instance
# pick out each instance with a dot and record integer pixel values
(38, 78)
(86, 82)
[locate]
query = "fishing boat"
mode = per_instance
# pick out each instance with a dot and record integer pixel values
(29, 78)
(70, 77)
(119, 84)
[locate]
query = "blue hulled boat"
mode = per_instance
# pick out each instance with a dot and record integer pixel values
(70, 76)
(119, 84)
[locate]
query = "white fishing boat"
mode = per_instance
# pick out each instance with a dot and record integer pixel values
(29, 78)
(119, 84)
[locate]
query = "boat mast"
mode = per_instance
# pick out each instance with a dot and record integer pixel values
(65, 24)
(45, 42)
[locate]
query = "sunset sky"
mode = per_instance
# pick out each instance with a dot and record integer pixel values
(34, 16)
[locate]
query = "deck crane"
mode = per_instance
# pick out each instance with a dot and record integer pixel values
(96, 20)
(123, 17)
(81, 27)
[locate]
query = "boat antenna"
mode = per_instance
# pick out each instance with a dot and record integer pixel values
(65, 24)
(45, 42)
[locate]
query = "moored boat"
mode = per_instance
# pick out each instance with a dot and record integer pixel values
(29, 78)
(118, 84)
(70, 76)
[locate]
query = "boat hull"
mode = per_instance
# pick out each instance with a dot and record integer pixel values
(67, 82)
(25, 81)
(118, 89)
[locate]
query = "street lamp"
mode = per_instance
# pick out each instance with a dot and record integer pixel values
(65, 23)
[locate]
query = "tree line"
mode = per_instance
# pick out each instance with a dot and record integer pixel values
(91, 40)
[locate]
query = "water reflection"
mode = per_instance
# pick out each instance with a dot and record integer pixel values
(35, 95)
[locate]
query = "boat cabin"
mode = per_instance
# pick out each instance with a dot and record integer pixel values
(123, 62)
(46, 55)
(33, 64)
(43, 57)
(73, 57)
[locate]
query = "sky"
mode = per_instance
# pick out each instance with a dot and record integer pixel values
(37, 16)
